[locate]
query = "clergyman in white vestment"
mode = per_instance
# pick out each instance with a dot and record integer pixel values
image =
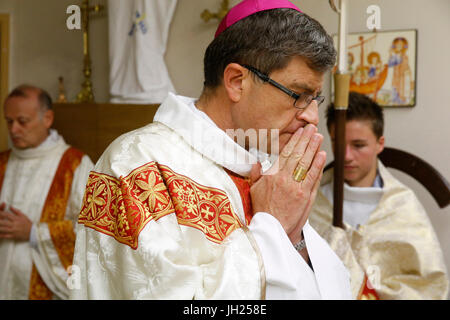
(42, 182)
(389, 244)
(183, 208)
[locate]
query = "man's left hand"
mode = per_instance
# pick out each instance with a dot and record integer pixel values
(14, 225)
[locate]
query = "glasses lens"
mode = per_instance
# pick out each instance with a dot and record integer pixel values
(320, 100)
(305, 100)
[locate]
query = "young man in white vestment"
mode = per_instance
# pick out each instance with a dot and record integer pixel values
(42, 182)
(185, 209)
(388, 244)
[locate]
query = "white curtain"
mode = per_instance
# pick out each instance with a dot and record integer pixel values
(138, 31)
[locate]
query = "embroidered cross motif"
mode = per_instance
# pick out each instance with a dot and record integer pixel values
(122, 207)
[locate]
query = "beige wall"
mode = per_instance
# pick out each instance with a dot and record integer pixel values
(43, 49)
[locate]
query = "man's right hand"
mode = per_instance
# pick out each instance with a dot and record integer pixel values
(278, 194)
(14, 225)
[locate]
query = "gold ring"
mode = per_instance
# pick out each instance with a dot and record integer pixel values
(300, 173)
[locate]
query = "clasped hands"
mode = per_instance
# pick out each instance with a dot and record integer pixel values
(14, 224)
(278, 194)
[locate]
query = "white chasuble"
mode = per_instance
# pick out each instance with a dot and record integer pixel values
(388, 240)
(163, 219)
(138, 32)
(26, 184)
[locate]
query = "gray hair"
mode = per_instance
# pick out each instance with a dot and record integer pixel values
(268, 40)
(45, 101)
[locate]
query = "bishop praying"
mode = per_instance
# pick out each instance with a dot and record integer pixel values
(187, 155)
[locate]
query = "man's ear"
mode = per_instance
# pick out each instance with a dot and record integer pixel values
(49, 117)
(233, 77)
(380, 144)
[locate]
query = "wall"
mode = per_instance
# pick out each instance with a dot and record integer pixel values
(43, 49)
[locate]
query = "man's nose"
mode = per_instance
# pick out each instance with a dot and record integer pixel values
(310, 114)
(348, 153)
(14, 128)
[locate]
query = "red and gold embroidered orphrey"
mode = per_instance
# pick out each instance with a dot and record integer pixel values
(53, 213)
(122, 207)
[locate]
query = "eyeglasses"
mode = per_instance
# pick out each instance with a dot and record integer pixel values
(301, 100)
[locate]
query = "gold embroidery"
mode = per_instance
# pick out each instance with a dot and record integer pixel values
(63, 239)
(204, 208)
(122, 207)
(53, 213)
(38, 289)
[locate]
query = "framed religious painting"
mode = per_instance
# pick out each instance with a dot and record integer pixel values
(382, 65)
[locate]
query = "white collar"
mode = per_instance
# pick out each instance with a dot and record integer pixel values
(359, 194)
(52, 141)
(362, 194)
(198, 130)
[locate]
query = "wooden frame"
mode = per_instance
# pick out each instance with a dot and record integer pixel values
(4, 74)
(383, 66)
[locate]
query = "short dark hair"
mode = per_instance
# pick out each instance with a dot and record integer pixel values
(268, 40)
(45, 101)
(360, 107)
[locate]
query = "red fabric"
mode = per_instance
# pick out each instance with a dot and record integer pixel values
(367, 292)
(243, 185)
(4, 156)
